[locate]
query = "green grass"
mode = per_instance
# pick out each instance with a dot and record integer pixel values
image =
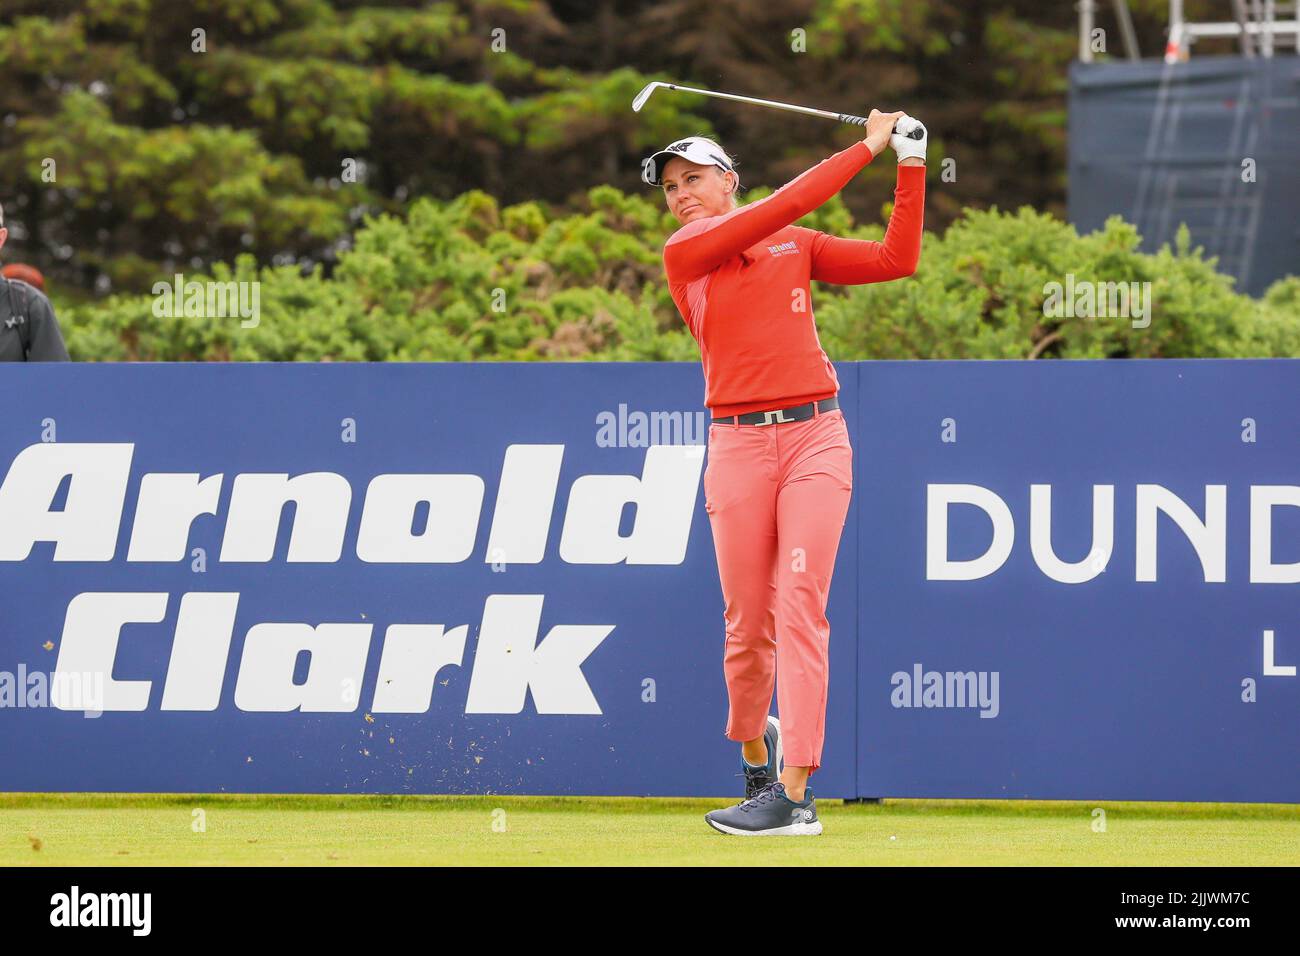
(113, 829)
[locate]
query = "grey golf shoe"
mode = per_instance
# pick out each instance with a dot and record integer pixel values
(771, 813)
(757, 778)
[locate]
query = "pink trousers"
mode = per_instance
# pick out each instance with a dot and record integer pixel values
(777, 498)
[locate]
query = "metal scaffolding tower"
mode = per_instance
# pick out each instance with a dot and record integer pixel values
(1261, 26)
(1256, 24)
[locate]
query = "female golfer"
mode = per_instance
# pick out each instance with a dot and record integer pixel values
(780, 467)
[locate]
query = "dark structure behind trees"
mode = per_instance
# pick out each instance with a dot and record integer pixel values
(1213, 142)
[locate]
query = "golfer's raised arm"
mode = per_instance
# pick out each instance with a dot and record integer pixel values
(856, 261)
(701, 246)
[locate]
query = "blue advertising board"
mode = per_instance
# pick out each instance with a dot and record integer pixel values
(1057, 580)
(520, 590)
(1035, 619)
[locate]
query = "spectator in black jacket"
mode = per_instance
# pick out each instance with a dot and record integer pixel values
(28, 330)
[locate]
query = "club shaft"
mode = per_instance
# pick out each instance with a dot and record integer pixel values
(750, 99)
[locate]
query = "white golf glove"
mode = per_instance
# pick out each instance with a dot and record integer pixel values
(913, 145)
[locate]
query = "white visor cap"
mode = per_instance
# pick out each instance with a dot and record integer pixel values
(697, 149)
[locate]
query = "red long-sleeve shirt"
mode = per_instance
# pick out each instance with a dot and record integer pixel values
(740, 281)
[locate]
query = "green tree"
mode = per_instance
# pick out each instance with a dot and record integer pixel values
(472, 280)
(133, 146)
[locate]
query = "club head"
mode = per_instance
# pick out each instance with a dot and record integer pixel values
(644, 95)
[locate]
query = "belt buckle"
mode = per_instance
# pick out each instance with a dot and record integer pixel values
(779, 419)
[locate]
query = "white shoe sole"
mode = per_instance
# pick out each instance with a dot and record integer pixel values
(795, 829)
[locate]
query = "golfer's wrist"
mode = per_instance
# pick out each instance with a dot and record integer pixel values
(912, 161)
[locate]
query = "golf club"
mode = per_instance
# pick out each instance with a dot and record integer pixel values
(649, 89)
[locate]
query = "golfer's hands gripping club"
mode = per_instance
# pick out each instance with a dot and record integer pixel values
(910, 139)
(880, 126)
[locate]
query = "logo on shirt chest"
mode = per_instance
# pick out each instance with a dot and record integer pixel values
(790, 248)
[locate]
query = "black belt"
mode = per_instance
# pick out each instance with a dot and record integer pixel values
(778, 416)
